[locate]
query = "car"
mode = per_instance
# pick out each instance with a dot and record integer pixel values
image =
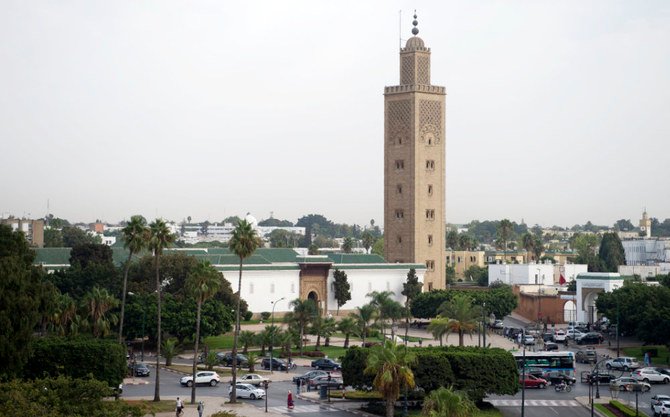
(664, 371)
(253, 379)
(650, 375)
(599, 376)
(533, 382)
(591, 337)
(626, 383)
(203, 377)
(327, 380)
(559, 336)
(536, 372)
(247, 391)
(140, 369)
(550, 346)
(661, 409)
(309, 375)
(587, 355)
(625, 363)
(226, 359)
(277, 364)
(573, 334)
(498, 324)
(556, 377)
(548, 337)
(659, 398)
(325, 363)
(529, 340)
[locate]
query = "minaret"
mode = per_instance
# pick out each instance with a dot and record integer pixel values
(414, 170)
(645, 224)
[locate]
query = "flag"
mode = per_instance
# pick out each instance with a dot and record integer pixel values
(561, 280)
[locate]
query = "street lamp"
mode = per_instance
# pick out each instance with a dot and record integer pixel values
(523, 374)
(484, 324)
(272, 336)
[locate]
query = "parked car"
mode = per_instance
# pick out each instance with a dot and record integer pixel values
(226, 359)
(591, 337)
(626, 383)
(650, 375)
(202, 377)
(498, 324)
(309, 375)
(662, 408)
(549, 346)
(659, 398)
(664, 371)
(556, 377)
(559, 336)
(573, 334)
(326, 380)
(548, 337)
(325, 363)
(277, 364)
(247, 391)
(140, 369)
(601, 377)
(529, 340)
(253, 379)
(587, 355)
(533, 382)
(625, 363)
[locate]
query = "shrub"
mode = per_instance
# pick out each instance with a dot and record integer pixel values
(265, 315)
(353, 364)
(627, 411)
(313, 354)
(248, 315)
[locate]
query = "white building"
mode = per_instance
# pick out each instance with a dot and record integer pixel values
(589, 285)
(535, 274)
(650, 251)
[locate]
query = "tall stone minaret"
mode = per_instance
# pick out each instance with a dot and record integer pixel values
(645, 224)
(414, 170)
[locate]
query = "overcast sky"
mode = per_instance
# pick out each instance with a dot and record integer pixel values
(558, 112)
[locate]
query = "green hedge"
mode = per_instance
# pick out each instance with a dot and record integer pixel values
(104, 360)
(626, 410)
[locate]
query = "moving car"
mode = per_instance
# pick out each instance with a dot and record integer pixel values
(658, 399)
(625, 363)
(226, 359)
(556, 377)
(599, 376)
(332, 382)
(277, 364)
(253, 379)
(587, 355)
(202, 377)
(559, 336)
(533, 382)
(591, 337)
(550, 346)
(247, 391)
(325, 363)
(626, 383)
(650, 375)
(141, 369)
(309, 375)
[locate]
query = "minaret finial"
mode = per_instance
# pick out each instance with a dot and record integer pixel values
(415, 29)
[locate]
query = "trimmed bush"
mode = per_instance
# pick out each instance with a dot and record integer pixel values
(265, 315)
(626, 410)
(313, 354)
(248, 315)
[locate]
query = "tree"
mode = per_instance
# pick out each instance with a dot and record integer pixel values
(466, 242)
(20, 293)
(368, 240)
(347, 244)
(378, 247)
(462, 314)
(528, 243)
(586, 246)
(202, 284)
(347, 326)
(304, 312)
(538, 247)
(450, 273)
(505, 231)
(170, 350)
(342, 289)
(74, 236)
(135, 238)
(439, 327)
(243, 243)
(611, 252)
(445, 402)
(381, 300)
(98, 304)
(53, 238)
(411, 288)
(452, 240)
(160, 238)
(280, 238)
(247, 338)
(363, 317)
(390, 364)
(624, 225)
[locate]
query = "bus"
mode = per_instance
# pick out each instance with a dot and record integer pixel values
(562, 362)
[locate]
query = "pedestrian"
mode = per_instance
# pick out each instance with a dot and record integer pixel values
(289, 400)
(179, 406)
(298, 383)
(201, 408)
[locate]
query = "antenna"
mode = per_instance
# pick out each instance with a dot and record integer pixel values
(400, 29)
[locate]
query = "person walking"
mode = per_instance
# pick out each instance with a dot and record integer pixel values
(201, 408)
(298, 384)
(179, 407)
(289, 400)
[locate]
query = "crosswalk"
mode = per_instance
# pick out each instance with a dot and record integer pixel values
(535, 403)
(302, 409)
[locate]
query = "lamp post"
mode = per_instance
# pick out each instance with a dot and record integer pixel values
(539, 296)
(484, 324)
(272, 326)
(523, 374)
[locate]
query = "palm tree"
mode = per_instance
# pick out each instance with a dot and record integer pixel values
(135, 236)
(438, 328)
(381, 301)
(445, 402)
(505, 230)
(528, 243)
(538, 247)
(170, 350)
(64, 315)
(304, 311)
(390, 364)
(347, 244)
(317, 330)
(98, 302)
(252, 358)
(463, 316)
(202, 283)
(327, 329)
(347, 326)
(160, 238)
(363, 317)
(243, 243)
(368, 241)
(247, 338)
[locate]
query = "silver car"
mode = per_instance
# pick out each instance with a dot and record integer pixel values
(247, 391)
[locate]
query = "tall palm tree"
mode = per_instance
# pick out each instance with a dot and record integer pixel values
(135, 238)
(381, 300)
(505, 230)
(528, 243)
(445, 402)
(202, 284)
(463, 316)
(329, 327)
(438, 328)
(347, 326)
(390, 364)
(363, 317)
(538, 247)
(304, 311)
(243, 243)
(98, 302)
(160, 238)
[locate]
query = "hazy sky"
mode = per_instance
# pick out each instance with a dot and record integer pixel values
(558, 112)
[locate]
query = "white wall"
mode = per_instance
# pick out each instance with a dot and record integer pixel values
(520, 274)
(260, 288)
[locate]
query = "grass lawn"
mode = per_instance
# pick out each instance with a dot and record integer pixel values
(638, 352)
(333, 352)
(221, 342)
(150, 407)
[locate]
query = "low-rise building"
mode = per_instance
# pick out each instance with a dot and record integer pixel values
(32, 229)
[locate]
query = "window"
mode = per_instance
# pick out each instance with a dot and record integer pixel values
(399, 164)
(430, 189)
(398, 189)
(430, 214)
(399, 239)
(430, 265)
(430, 164)
(399, 214)
(430, 239)
(293, 288)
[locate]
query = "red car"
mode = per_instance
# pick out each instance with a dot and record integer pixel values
(533, 382)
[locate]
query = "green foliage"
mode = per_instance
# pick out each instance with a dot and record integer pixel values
(499, 298)
(279, 238)
(390, 364)
(378, 247)
(272, 222)
(342, 288)
(77, 358)
(626, 410)
(445, 402)
(450, 273)
(353, 364)
(53, 238)
(659, 229)
(21, 293)
(432, 370)
(169, 350)
(611, 252)
(478, 274)
(74, 236)
(411, 288)
(90, 253)
(624, 225)
(586, 246)
(62, 397)
(265, 315)
(368, 240)
(347, 244)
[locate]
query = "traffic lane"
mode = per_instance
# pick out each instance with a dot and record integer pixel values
(579, 411)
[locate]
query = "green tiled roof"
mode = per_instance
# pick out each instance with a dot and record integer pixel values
(52, 256)
(355, 258)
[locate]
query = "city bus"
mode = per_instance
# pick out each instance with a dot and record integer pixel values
(562, 362)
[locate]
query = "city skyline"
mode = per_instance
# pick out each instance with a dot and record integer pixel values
(555, 112)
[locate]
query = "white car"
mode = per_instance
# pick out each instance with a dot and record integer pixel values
(559, 336)
(253, 379)
(247, 391)
(624, 363)
(574, 334)
(650, 375)
(203, 377)
(661, 408)
(529, 340)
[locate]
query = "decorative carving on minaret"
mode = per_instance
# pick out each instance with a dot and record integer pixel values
(398, 121)
(430, 121)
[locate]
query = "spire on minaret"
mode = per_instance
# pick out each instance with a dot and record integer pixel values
(415, 29)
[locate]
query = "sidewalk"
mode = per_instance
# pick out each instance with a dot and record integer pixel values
(216, 404)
